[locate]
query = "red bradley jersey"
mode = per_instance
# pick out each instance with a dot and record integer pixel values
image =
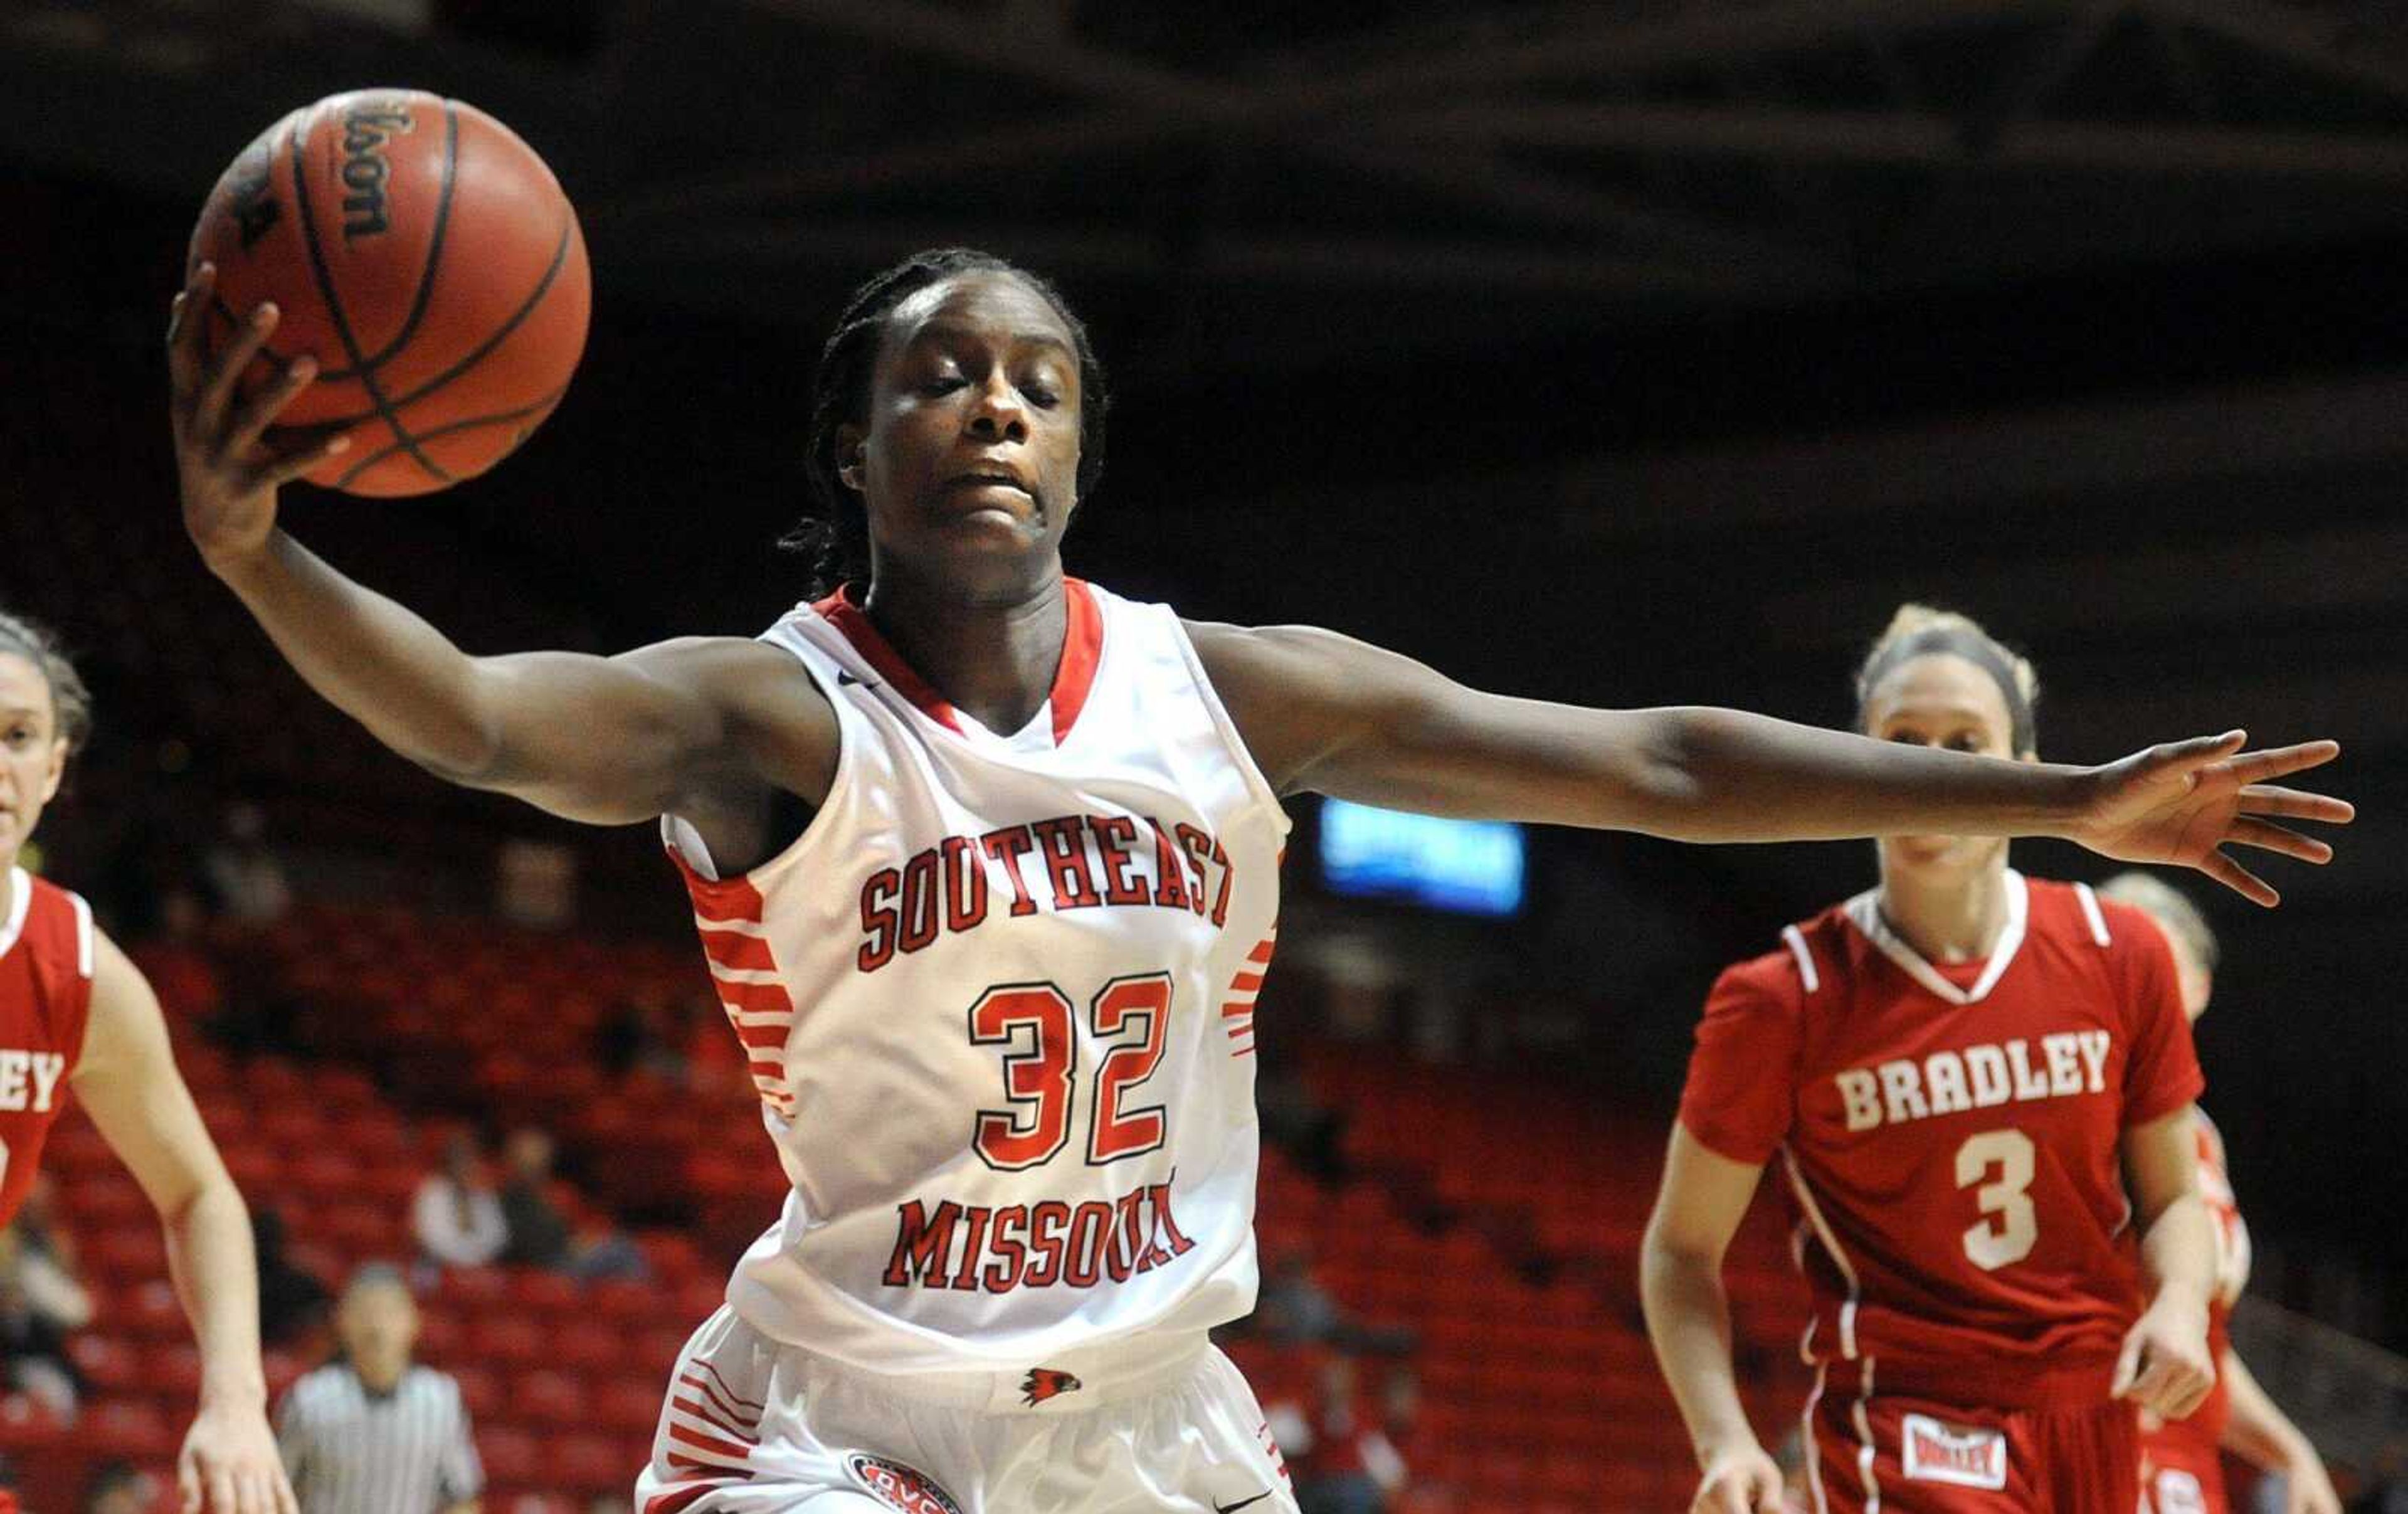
(1950, 1134)
(47, 942)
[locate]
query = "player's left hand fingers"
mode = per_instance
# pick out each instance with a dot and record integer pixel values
(221, 1479)
(2274, 762)
(2295, 805)
(2239, 879)
(188, 1482)
(226, 372)
(2267, 836)
(281, 1487)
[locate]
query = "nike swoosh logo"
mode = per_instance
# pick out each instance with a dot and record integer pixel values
(846, 679)
(1219, 1508)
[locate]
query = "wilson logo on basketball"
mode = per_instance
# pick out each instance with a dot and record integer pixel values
(1047, 1382)
(899, 1487)
(367, 127)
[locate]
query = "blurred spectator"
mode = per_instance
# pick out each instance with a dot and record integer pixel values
(633, 1037)
(46, 1259)
(1342, 1462)
(1294, 1308)
(292, 1302)
(373, 1433)
(457, 1220)
(117, 1488)
(248, 877)
(33, 1343)
(540, 1234)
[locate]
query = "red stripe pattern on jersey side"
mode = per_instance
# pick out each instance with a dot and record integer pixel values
(727, 915)
(1238, 1008)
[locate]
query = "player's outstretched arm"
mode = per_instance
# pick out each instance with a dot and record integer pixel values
(1326, 712)
(606, 739)
(1698, 1208)
(128, 1080)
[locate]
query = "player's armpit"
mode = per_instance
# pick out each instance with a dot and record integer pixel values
(675, 727)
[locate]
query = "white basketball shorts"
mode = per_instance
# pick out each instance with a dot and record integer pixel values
(1152, 1427)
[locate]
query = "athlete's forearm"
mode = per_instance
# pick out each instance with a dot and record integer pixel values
(2258, 1431)
(2178, 1252)
(217, 1279)
(1688, 1322)
(372, 659)
(1723, 775)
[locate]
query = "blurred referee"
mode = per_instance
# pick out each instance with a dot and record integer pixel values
(371, 1432)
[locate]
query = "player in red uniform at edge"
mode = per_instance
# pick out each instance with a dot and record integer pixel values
(1950, 1069)
(2181, 1470)
(76, 1016)
(964, 768)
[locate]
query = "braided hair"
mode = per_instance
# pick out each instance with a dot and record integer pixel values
(834, 528)
(70, 701)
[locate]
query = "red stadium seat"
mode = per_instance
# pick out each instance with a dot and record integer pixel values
(481, 1390)
(508, 1339)
(548, 1397)
(626, 1408)
(129, 1255)
(593, 1463)
(108, 1363)
(133, 1429)
(172, 1371)
(589, 1346)
(473, 1287)
(511, 1456)
(621, 1299)
(550, 1292)
(151, 1311)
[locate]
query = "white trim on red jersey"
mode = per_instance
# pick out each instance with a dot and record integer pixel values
(21, 899)
(1796, 940)
(83, 934)
(1864, 913)
(1831, 1249)
(2091, 912)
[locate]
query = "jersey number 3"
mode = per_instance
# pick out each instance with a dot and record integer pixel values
(1034, 1022)
(2009, 1224)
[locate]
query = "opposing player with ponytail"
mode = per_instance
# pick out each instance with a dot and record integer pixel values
(1965, 1077)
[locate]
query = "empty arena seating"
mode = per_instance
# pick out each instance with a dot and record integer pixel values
(1494, 1218)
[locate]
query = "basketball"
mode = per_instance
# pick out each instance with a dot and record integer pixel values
(426, 258)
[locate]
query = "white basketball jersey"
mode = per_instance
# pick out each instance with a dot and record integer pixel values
(998, 1002)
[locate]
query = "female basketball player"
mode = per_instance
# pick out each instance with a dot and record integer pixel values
(1953, 1067)
(75, 1016)
(2181, 1468)
(985, 863)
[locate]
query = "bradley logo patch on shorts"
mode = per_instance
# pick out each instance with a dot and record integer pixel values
(899, 1487)
(1970, 1457)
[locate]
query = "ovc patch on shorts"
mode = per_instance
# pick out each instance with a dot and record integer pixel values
(899, 1487)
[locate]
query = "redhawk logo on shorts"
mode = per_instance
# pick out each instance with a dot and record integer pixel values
(1047, 1382)
(1969, 1456)
(899, 1487)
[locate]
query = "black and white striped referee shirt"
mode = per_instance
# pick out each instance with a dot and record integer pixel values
(350, 1450)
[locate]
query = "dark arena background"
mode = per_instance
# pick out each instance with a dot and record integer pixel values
(1628, 352)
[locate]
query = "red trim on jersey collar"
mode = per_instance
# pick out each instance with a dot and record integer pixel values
(1083, 648)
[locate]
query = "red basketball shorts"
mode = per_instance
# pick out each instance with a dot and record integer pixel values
(1886, 1454)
